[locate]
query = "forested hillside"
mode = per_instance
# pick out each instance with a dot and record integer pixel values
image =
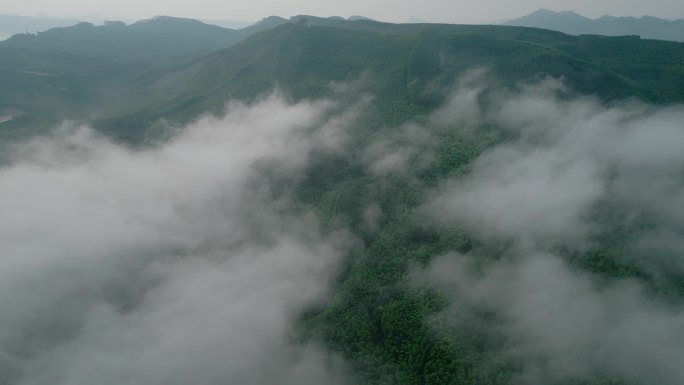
(413, 67)
(501, 205)
(77, 71)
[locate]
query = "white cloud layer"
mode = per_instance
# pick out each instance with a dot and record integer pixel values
(180, 264)
(569, 155)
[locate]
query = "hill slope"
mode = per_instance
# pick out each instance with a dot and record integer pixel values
(412, 67)
(509, 206)
(71, 71)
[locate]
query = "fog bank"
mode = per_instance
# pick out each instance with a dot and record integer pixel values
(182, 264)
(570, 161)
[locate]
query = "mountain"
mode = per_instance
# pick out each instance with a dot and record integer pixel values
(502, 204)
(275, 21)
(647, 27)
(65, 72)
(161, 37)
(412, 65)
(11, 24)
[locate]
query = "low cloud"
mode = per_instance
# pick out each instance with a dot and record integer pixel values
(541, 190)
(560, 323)
(181, 264)
(403, 152)
(568, 155)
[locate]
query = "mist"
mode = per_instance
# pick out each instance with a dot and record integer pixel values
(182, 263)
(192, 261)
(569, 160)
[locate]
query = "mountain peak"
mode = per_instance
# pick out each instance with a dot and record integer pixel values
(271, 19)
(169, 19)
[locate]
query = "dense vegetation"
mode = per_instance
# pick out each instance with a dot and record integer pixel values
(380, 322)
(76, 72)
(413, 67)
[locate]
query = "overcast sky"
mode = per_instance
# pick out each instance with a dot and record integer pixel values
(464, 11)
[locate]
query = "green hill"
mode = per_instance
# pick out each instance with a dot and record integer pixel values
(161, 38)
(412, 67)
(77, 72)
(131, 76)
(72, 72)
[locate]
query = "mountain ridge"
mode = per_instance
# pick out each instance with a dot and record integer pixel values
(168, 69)
(570, 22)
(343, 51)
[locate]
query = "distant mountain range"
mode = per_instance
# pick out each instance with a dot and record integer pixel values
(176, 69)
(10, 24)
(63, 72)
(569, 22)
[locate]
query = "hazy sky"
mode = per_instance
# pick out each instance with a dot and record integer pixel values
(387, 10)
